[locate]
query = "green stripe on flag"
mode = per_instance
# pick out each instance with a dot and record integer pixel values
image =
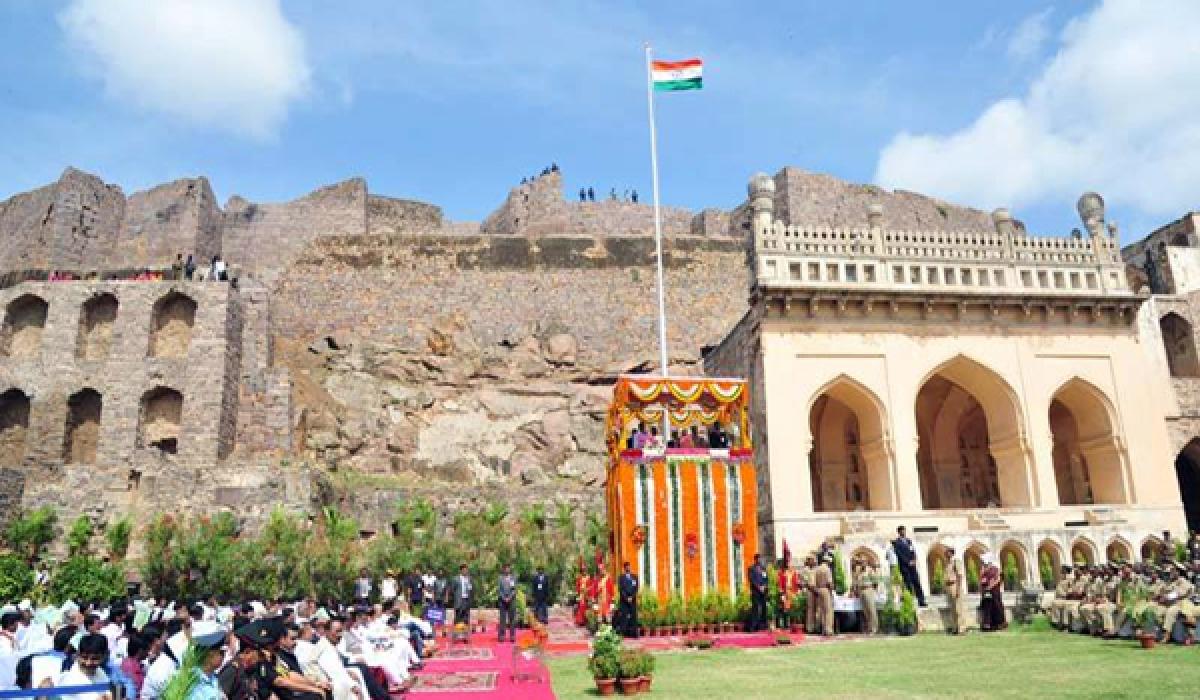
(672, 85)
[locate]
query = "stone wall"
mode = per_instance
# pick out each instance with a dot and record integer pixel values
(180, 217)
(600, 290)
(386, 215)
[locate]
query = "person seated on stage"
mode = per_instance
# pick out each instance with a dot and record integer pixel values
(698, 439)
(653, 441)
(637, 439)
(717, 439)
(687, 439)
(674, 441)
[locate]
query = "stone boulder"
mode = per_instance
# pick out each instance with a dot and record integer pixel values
(561, 349)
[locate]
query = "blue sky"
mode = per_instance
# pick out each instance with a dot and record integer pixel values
(1020, 104)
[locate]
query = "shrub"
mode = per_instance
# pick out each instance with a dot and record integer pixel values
(118, 535)
(1046, 570)
(85, 578)
(675, 613)
(16, 577)
(629, 663)
(648, 610)
(605, 661)
(839, 573)
(938, 582)
(29, 534)
(1181, 552)
(973, 575)
(1010, 572)
(79, 537)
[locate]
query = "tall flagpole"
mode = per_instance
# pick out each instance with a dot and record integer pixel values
(662, 298)
(658, 249)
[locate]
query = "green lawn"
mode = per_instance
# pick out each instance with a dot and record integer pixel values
(1015, 664)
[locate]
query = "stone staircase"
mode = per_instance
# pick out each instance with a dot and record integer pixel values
(1103, 515)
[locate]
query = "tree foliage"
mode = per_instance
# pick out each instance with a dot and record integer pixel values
(29, 533)
(83, 578)
(79, 537)
(118, 536)
(16, 577)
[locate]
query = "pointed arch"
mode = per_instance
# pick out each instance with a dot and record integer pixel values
(1013, 553)
(1151, 549)
(973, 563)
(971, 446)
(1118, 549)
(1089, 462)
(82, 431)
(936, 553)
(1179, 343)
(1050, 562)
(24, 322)
(14, 426)
(1083, 552)
(850, 461)
(174, 316)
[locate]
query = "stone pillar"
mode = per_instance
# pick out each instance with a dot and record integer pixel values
(1014, 471)
(881, 487)
(908, 476)
(1108, 475)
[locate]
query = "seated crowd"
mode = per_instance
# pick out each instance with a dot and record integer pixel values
(1120, 599)
(252, 651)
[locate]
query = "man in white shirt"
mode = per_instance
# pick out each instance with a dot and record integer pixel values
(9, 622)
(115, 629)
(388, 590)
(86, 670)
(163, 668)
(347, 683)
(360, 645)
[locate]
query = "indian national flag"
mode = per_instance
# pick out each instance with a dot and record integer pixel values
(677, 75)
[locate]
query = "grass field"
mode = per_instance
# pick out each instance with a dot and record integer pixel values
(1022, 663)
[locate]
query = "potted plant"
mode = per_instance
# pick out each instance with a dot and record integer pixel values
(742, 610)
(1147, 624)
(604, 662)
(647, 670)
(629, 663)
(648, 612)
(675, 613)
(798, 611)
(782, 639)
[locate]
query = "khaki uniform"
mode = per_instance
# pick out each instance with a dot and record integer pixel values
(1106, 608)
(1096, 593)
(1181, 592)
(1153, 591)
(863, 585)
(807, 580)
(955, 591)
(1070, 609)
(1060, 597)
(823, 580)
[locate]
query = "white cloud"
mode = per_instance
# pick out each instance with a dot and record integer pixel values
(230, 64)
(1030, 35)
(1114, 110)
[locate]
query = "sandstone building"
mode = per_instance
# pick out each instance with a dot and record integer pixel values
(913, 361)
(989, 389)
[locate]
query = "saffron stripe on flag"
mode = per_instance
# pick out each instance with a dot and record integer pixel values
(676, 65)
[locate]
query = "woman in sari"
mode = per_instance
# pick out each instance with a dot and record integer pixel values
(991, 599)
(583, 590)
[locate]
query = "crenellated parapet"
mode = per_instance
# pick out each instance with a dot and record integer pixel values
(1002, 260)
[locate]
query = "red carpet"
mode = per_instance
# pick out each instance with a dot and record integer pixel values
(481, 670)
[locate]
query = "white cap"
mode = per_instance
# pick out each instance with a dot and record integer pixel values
(207, 633)
(25, 605)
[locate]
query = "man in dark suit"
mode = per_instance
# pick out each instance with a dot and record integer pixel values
(541, 595)
(906, 558)
(462, 595)
(758, 594)
(627, 588)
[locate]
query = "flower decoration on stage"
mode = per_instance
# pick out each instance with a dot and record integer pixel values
(739, 533)
(691, 543)
(639, 535)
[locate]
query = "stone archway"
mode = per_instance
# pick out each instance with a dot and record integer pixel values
(1013, 554)
(1089, 465)
(1151, 549)
(24, 321)
(1187, 471)
(1049, 557)
(1083, 552)
(82, 434)
(96, 327)
(14, 427)
(970, 452)
(171, 329)
(160, 420)
(973, 565)
(936, 554)
(1118, 550)
(849, 464)
(866, 554)
(1179, 342)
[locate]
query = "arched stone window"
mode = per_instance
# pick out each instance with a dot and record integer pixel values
(1180, 346)
(866, 554)
(24, 321)
(849, 463)
(82, 432)
(1187, 471)
(973, 561)
(1083, 552)
(14, 424)
(160, 420)
(171, 329)
(937, 553)
(1088, 464)
(1012, 553)
(969, 454)
(1152, 549)
(1118, 550)
(1049, 555)
(96, 327)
